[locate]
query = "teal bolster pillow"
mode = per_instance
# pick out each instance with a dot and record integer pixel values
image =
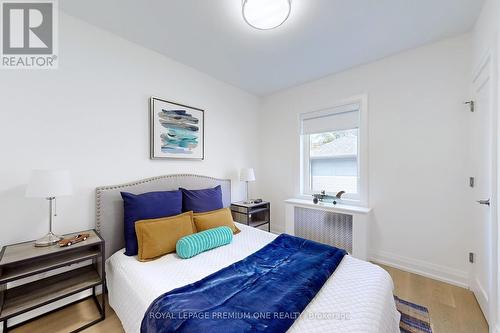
(189, 246)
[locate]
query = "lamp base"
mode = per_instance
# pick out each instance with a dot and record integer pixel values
(48, 240)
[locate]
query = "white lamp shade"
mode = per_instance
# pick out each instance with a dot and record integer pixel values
(247, 175)
(49, 183)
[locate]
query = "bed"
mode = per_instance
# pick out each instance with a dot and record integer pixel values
(356, 298)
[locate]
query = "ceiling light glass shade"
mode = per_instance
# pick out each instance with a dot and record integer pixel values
(266, 14)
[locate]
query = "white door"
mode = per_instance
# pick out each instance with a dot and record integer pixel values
(482, 167)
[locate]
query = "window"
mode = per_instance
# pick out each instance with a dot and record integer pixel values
(334, 161)
(331, 151)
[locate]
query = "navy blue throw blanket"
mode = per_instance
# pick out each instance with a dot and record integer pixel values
(265, 292)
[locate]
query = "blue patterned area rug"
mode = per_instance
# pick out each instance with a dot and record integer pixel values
(414, 318)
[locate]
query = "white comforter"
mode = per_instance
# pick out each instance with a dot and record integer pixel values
(356, 298)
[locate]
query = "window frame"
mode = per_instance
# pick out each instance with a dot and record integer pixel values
(360, 198)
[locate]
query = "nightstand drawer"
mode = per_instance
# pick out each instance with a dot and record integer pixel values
(15, 271)
(239, 209)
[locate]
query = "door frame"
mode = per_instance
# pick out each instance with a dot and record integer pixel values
(490, 304)
(495, 306)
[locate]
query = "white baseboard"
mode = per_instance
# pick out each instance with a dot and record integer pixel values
(481, 297)
(437, 272)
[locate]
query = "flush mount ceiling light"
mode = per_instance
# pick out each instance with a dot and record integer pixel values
(266, 14)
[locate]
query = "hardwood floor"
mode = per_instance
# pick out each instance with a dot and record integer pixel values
(452, 309)
(72, 317)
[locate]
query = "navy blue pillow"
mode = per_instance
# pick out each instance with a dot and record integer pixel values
(151, 205)
(200, 201)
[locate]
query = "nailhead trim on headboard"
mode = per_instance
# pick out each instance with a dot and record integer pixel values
(101, 189)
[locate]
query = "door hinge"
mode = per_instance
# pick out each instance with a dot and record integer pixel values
(471, 105)
(471, 257)
(471, 181)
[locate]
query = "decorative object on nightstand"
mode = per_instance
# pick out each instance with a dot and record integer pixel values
(23, 260)
(247, 175)
(49, 184)
(252, 214)
(73, 240)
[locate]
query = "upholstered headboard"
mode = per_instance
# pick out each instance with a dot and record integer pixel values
(109, 203)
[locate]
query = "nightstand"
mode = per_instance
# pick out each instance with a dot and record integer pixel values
(253, 214)
(24, 260)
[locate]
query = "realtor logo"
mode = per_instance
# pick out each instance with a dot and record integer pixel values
(29, 34)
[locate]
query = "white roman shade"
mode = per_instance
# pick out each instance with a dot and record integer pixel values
(335, 119)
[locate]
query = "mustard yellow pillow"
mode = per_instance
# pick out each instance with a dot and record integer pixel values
(213, 219)
(157, 237)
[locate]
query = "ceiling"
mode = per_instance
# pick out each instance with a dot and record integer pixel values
(321, 37)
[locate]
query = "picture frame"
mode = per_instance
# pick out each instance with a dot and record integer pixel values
(177, 131)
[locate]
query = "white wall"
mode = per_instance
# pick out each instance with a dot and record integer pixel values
(91, 117)
(486, 29)
(418, 179)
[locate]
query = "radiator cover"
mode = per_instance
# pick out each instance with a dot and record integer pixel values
(324, 227)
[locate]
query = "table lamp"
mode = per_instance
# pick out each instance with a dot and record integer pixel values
(247, 175)
(49, 184)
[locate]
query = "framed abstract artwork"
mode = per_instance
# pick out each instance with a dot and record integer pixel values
(176, 130)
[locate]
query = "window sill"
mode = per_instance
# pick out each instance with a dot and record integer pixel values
(350, 201)
(339, 208)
